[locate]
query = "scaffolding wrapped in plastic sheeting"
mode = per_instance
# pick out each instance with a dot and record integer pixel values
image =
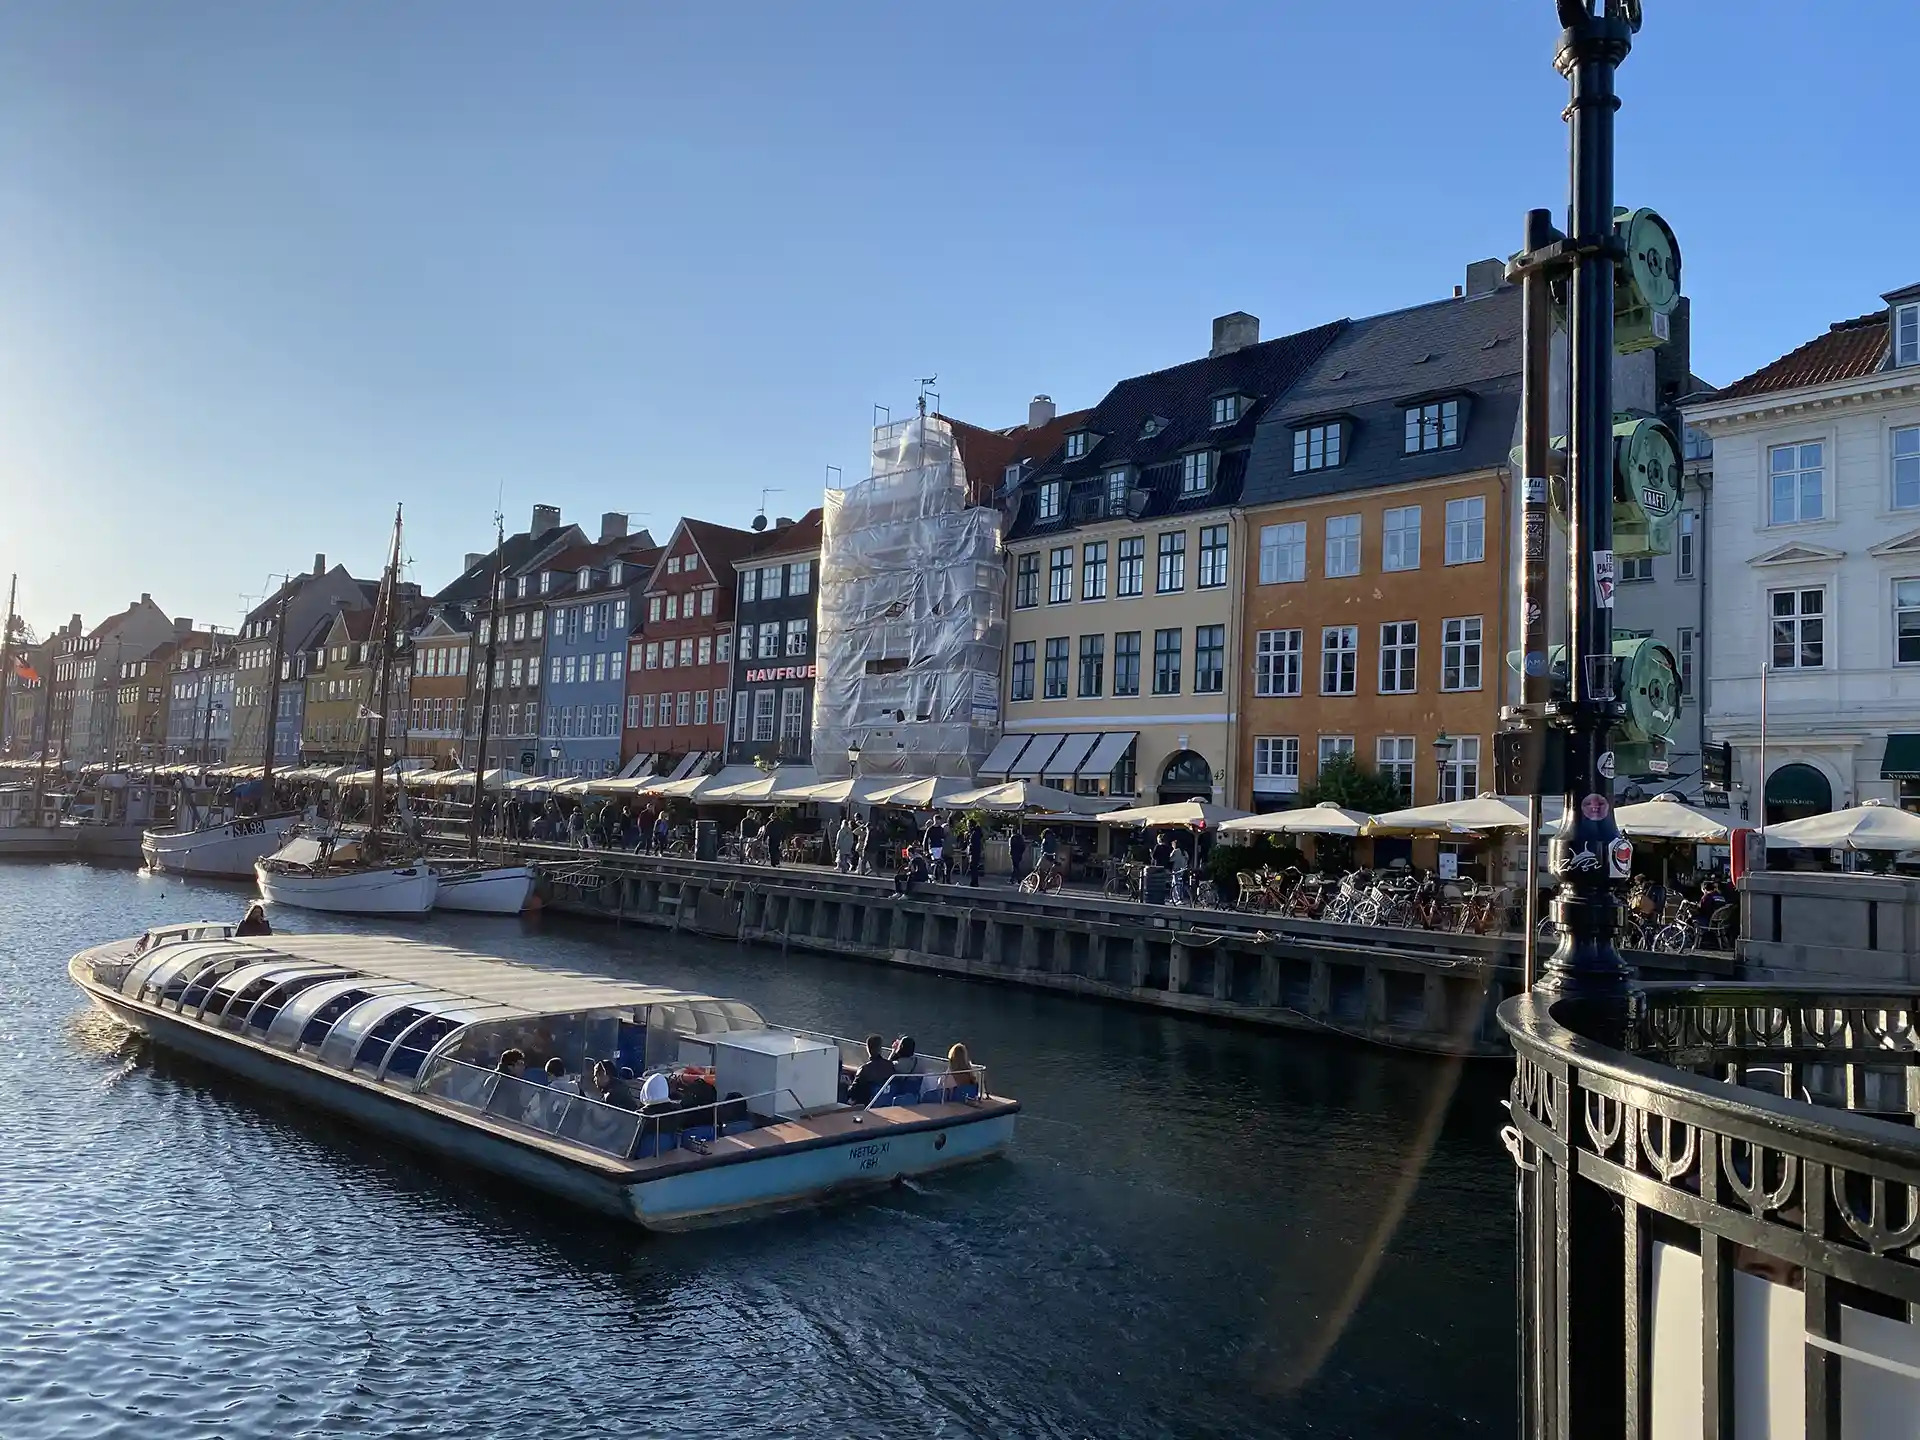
(911, 614)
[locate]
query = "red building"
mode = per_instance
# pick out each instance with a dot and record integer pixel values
(680, 664)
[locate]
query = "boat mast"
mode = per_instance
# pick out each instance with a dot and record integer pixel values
(273, 701)
(486, 679)
(383, 664)
(6, 658)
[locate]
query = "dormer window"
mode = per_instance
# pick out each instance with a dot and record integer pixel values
(523, 587)
(1009, 478)
(1050, 500)
(1226, 409)
(1196, 472)
(1116, 492)
(1906, 334)
(1077, 444)
(546, 581)
(614, 572)
(585, 579)
(1433, 425)
(1316, 447)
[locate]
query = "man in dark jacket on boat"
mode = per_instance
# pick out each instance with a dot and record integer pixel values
(868, 1079)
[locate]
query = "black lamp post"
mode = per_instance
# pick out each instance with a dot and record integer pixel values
(853, 759)
(1443, 746)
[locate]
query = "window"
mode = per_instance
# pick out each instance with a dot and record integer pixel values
(514, 672)
(633, 712)
(691, 564)
(1093, 657)
(673, 565)
(1683, 653)
(1054, 682)
(1126, 663)
(1196, 472)
(571, 667)
(1116, 492)
(1332, 747)
(1173, 563)
(723, 648)
(1343, 545)
(1009, 477)
(1213, 557)
(1433, 426)
(1799, 629)
(1226, 409)
(616, 661)
(539, 621)
(1076, 444)
(704, 654)
(1400, 539)
(797, 636)
(1460, 777)
(1022, 688)
(763, 703)
(699, 707)
(1093, 570)
(673, 607)
(1467, 530)
(1050, 500)
(706, 600)
(720, 706)
(1906, 335)
(1209, 659)
(1460, 653)
(683, 708)
(742, 716)
(1339, 659)
(793, 713)
(653, 655)
(1060, 575)
(523, 587)
(1166, 662)
(1276, 764)
(1683, 550)
(1132, 579)
(667, 652)
(769, 639)
(1395, 762)
(1316, 447)
(1636, 567)
(1798, 478)
(1283, 553)
(686, 651)
(1026, 581)
(749, 586)
(1906, 622)
(646, 713)
(519, 626)
(1398, 647)
(1906, 467)
(653, 608)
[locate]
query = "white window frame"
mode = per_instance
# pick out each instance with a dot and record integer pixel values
(1344, 534)
(1276, 761)
(1196, 472)
(1283, 553)
(764, 716)
(1060, 575)
(1466, 530)
(1332, 746)
(1093, 570)
(1903, 461)
(1459, 635)
(1170, 563)
(1798, 471)
(1400, 538)
(1906, 334)
(1226, 409)
(1130, 565)
(1460, 777)
(1684, 658)
(1400, 655)
(1340, 659)
(1394, 758)
(1047, 506)
(1076, 444)
(1686, 542)
(1797, 621)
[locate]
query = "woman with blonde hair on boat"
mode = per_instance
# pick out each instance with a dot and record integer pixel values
(960, 1071)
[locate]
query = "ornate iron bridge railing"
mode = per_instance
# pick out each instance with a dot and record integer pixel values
(1718, 1223)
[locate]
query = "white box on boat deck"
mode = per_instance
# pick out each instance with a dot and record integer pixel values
(767, 1063)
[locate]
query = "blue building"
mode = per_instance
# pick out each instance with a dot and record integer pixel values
(591, 608)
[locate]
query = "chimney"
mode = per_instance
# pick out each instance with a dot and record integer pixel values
(474, 557)
(1234, 332)
(145, 598)
(73, 625)
(782, 522)
(183, 627)
(613, 526)
(1040, 411)
(319, 562)
(545, 517)
(1485, 276)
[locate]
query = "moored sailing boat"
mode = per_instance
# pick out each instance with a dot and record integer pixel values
(358, 876)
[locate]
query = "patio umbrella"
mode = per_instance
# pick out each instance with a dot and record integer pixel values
(925, 794)
(1665, 817)
(1193, 813)
(1326, 818)
(1022, 797)
(1483, 813)
(785, 783)
(854, 790)
(1875, 825)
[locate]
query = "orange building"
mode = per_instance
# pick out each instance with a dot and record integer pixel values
(1377, 582)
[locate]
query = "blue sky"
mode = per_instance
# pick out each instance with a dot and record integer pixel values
(267, 269)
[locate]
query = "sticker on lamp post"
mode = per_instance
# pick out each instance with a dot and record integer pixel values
(1595, 807)
(1605, 763)
(1603, 578)
(1620, 858)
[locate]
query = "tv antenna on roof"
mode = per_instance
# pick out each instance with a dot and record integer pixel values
(760, 520)
(927, 382)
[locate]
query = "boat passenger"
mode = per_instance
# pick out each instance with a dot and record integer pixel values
(656, 1090)
(906, 1060)
(868, 1079)
(608, 1088)
(254, 922)
(960, 1071)
(514, 1063)
(558, 1079)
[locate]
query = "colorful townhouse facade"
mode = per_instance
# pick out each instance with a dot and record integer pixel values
(776, 611)
(595, 595)
(441, 681)
(200, 698)
(514, 724)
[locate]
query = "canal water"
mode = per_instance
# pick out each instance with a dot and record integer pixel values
(1200, 1231)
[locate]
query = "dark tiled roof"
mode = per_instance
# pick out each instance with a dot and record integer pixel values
(800, 538)
(1468, 347)
(1180, 402)
(721, 544)
(1849, 350)
(520, 551)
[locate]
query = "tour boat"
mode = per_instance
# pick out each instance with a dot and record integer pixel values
(405, 1038)
(22, 833)
(311, 873)
(489, 889)
(216, 847)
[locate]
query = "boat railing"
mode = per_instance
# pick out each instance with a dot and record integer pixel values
(930, 1086)
(565, 1114)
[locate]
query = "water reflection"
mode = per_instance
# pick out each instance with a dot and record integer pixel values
(1193, 1236)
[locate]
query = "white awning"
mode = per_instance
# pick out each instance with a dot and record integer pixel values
(1035, 755)
(1067, 760)
(1113, 745)
(687, 762)
(1004, 754)
(639, 765)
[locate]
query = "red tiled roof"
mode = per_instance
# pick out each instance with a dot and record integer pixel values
(987, 453)
(1849, 350)
(721, 544)
(798, 538)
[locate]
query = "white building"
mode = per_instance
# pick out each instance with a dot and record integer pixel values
(1813, 556)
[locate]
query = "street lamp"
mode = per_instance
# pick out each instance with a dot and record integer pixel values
(853, 758)
(1443, 747)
